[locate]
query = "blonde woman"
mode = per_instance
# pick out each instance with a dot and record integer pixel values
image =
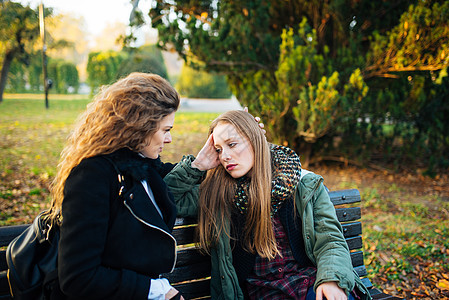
(269, 226)
(115, 238)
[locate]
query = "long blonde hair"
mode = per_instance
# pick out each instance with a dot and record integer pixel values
(122, 115)
(217, 192)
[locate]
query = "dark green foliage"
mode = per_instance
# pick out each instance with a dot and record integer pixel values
(107, 66)
(147, 59)
(362, 72)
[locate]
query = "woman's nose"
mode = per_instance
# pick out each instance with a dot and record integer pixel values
(168, 138)
(225, 155)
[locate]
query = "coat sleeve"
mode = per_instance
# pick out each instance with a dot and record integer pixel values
(330, 249)
(85, 211)
(183, 182)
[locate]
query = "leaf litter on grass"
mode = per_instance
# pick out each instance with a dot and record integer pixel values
(405, 229)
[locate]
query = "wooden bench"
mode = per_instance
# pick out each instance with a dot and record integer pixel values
(192, 273)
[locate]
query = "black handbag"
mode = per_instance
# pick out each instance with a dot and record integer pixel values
(32, 259)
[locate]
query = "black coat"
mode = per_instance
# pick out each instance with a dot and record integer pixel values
(112, 246)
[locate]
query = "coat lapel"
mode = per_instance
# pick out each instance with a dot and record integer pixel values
(142, 208)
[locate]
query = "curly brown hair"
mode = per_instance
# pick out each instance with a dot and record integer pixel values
(122, 115)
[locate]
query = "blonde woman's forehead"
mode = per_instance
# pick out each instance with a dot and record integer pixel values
(225, 131)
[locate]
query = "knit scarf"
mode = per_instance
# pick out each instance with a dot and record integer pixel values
(286, 170)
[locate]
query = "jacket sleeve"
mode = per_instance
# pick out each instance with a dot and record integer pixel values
(183, 182)
(330, 249)
(85, 211)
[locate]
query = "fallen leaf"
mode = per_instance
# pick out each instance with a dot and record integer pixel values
(443, 284)
(421, 243)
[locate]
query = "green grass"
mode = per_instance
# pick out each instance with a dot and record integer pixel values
(32, 135)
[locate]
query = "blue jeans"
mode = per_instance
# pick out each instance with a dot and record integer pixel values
(312, 296)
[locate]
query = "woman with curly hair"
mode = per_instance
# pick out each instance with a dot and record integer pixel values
(269, 226)
(115, 233)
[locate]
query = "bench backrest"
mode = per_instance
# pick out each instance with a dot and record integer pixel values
(192, 273)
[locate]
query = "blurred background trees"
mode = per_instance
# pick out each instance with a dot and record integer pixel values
(76, 64)
(19, 28)
(335, 80)
(200, 84)
(365, 80)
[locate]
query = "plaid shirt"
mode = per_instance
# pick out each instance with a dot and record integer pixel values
(281, 277)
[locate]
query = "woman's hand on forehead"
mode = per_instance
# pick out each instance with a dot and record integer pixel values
(207, 158)
(257, 119)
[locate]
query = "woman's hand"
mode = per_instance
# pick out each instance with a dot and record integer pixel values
(331, 291)
(173, 294)
(257, 119)
(207, 158)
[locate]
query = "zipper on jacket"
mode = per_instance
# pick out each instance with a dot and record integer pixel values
(157, 228)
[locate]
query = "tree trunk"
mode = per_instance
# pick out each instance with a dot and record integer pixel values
(306, 151)
(5, 70)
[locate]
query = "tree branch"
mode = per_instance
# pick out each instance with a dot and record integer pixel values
(386, 72)
(237, 63)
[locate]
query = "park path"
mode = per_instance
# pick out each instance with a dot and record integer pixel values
(209, 105)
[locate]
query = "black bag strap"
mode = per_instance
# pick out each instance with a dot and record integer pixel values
(121, 178)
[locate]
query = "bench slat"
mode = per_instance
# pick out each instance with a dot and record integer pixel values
(195, 289)
(357, 258)
(346, 214)
(189, 256)
(345, 196)
(361, 271)
(184, 235)
(190, 272)
(354, 242)
(352, 229)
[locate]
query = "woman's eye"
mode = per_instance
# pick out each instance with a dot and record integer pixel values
(232, 145)
(218, 150)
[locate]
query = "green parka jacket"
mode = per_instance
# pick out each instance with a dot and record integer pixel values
(323, 238)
